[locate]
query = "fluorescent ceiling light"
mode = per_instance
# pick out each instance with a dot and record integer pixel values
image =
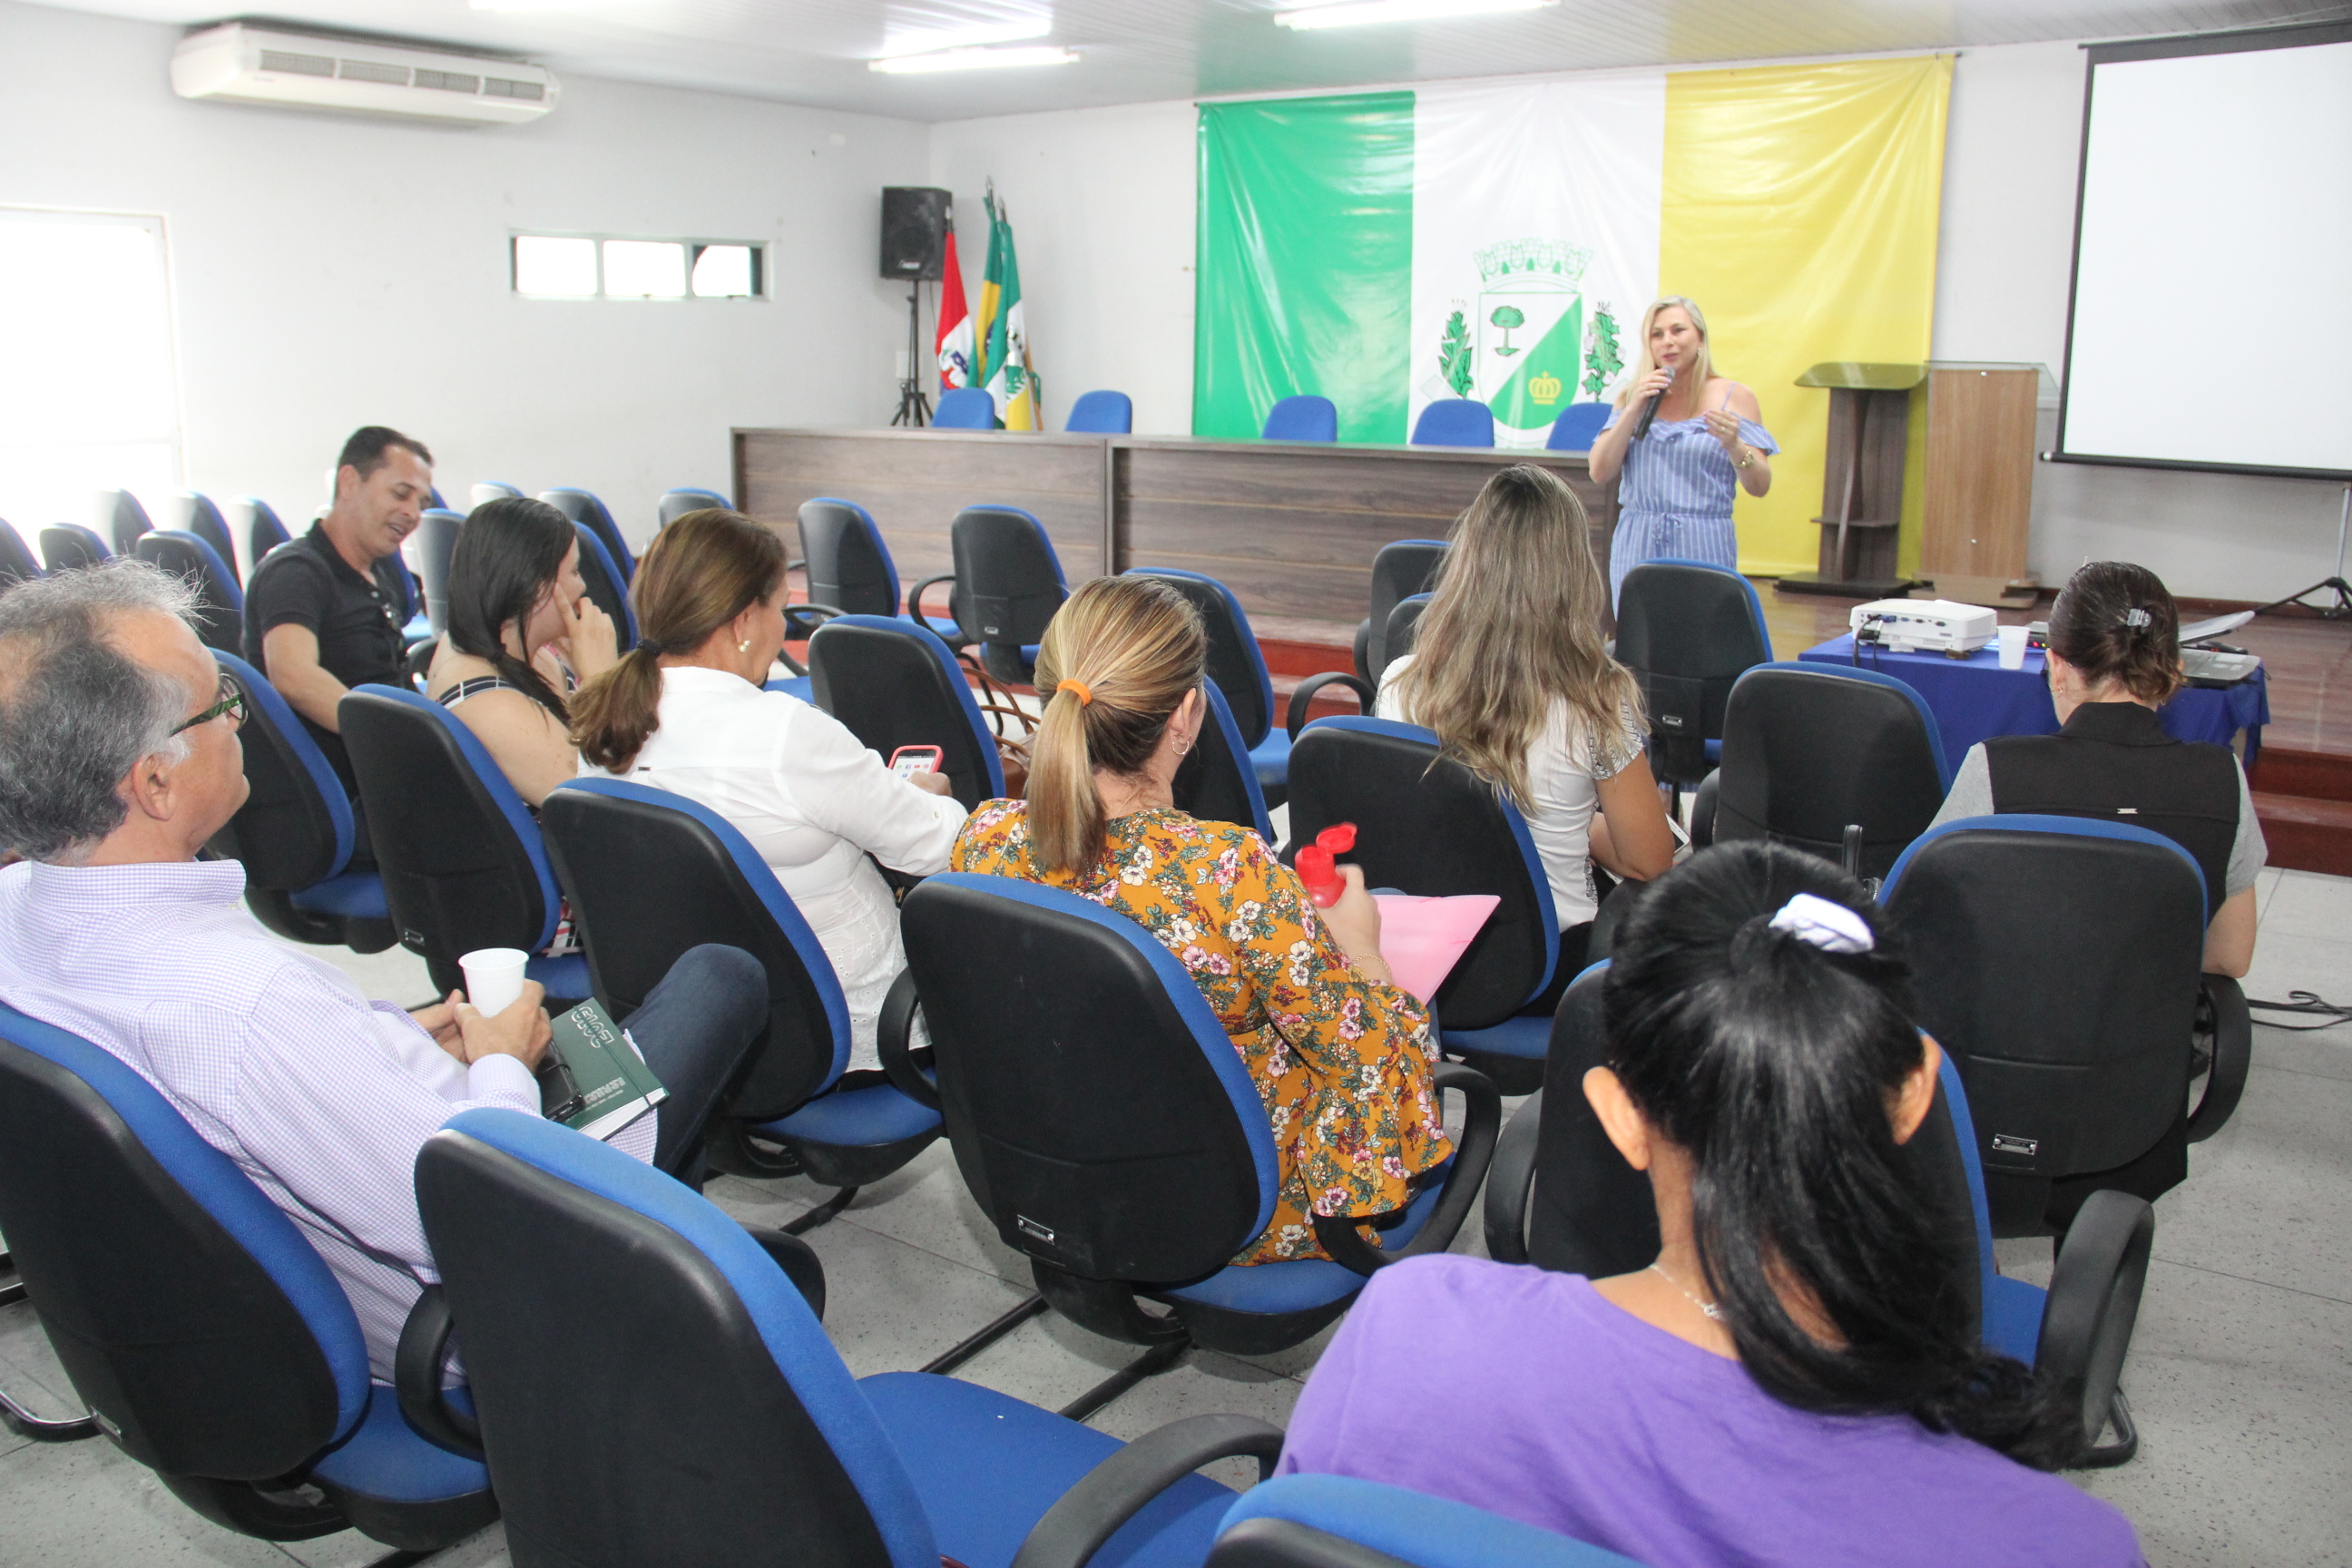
(1358, 13)
(977, 59)
(932, 40)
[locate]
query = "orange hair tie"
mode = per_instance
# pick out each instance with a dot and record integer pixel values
(1086, 696)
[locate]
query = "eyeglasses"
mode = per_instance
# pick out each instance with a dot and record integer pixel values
(232, 703)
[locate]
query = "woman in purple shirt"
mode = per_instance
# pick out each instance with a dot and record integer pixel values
(1796, 1378)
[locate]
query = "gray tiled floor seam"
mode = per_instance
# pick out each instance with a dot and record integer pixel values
(2250, 1279)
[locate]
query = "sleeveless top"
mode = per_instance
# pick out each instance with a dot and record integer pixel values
(2114, 763)
(474, 687)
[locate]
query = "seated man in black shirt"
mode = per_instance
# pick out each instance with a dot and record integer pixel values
(324, 613)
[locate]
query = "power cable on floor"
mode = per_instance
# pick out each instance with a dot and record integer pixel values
(2306, 1004)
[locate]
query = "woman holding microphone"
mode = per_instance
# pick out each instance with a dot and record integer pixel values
(1680, 474)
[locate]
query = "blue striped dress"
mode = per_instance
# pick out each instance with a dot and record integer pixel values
(1674, 497)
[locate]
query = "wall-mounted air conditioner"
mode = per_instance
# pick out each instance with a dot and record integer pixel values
(249, 64)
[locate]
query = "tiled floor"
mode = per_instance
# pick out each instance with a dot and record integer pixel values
(2241, 1370)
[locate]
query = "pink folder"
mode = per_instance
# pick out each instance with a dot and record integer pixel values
(1424, 938)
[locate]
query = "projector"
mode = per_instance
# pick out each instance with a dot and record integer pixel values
(1925, 625)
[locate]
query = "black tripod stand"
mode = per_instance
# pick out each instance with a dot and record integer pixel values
(2342, 608)
(914, 408)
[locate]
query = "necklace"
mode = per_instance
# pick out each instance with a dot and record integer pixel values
(1713, 1312)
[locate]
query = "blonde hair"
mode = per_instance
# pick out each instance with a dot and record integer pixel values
(1514, 625)
(1136, 647)
(1644, 362)
(701, 572)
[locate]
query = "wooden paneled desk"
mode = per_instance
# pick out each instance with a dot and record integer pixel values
(1290, 529)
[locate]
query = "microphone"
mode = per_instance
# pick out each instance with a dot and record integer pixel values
(1649, 410)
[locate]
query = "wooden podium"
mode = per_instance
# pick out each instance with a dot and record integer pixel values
(1861, 487)
(1980, 483)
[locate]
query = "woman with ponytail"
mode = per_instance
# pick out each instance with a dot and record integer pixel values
(1341, 1058)
(686, 710)
(1796, 1378)
(522, 633)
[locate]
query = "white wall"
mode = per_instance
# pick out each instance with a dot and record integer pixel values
(1102, 206)
(330, 272)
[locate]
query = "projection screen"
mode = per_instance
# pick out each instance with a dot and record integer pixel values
(2210, 322)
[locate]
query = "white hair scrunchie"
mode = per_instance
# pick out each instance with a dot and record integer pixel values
(1830, 927)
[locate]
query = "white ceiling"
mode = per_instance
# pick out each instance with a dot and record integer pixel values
(1142, 51)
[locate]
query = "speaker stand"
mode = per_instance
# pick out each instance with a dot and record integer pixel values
(2342, 608)
(914, 408)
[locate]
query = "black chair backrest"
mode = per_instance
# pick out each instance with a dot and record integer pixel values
(1086, 1117)
(68, 546)
(1809, 749)
(17, 562)
(848, 566)
(437, 541)
(606, 586)
(1215, 782)
(287, 834)
(1687, 631)
(582, 508)
(1426, 825)
(1403, 567)
(220, 604)
(675, 504)
(1008, 579)
(197, 514)
(649, 880)
(1235, 663)
(893, 684)
(2057, 961)
(1398, 641)
(123, 518)
(263, 531)
(458, 874)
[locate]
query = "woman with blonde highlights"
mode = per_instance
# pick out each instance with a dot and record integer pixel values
(686, 710)
(1340, 1057)
(1510, 668)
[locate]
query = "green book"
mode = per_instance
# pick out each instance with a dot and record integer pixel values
(595, 1081)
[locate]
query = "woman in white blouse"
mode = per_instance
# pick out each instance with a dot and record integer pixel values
(686, 711)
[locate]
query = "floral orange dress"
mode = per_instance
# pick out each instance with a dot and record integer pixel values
(1342, 1064)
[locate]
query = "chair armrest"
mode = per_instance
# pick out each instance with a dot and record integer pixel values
(1364, 649)
(1315, 683)
(1473, 1153)
(799, 1261)
(1511, 1182)
(893, 1032)
(2234, 1050)
(1702, 822)
(417, 1366)
(2094, 1301)
(915, 597)
(1116, 1490)
(814, 616)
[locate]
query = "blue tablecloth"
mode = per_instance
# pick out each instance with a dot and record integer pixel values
(1973, 698)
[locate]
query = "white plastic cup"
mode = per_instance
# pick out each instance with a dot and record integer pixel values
(2012, 646)
(494, 977)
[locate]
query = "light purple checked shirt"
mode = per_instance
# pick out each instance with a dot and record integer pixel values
(320, 1096)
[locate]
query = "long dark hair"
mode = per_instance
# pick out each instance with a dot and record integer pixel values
(2115, 621)
(1771, 1061)
(509, 554)
(700, 573)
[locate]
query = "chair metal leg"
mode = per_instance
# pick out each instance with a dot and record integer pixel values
(1029, 1308)
(1157, 1359)
(12, 1291)
(2105, 1455)
(18, 1419)
(821, 1214)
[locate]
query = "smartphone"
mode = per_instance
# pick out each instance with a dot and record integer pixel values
(908, 761)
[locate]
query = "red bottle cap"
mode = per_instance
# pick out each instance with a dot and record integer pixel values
(1338, 838)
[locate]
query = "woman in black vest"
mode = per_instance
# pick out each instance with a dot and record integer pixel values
(2115, 657)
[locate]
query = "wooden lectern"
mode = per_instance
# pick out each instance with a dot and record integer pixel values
(1862, 490)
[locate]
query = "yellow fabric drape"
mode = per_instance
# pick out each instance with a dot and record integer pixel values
(1800, 211)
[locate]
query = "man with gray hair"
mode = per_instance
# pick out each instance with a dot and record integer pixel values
(119, 761)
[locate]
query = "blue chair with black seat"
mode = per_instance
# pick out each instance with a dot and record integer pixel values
(437, 541)
(584, 508)
(1110, 1131)
(1561, 1197)
(892, 684)
(1577, 427)
(652, 874)
(1454, 422)
(1008, 583)
(1339, 1522)
(850, 568)
(1237, 668)
(463, 863)
(605, 585)
(731, 1431)
(220, 602)
(17, 562)
(1215, 782)
(293, 834)
(1403, 568)
(1688, 630)
(193, 512)
(675, 504)
(2059, 960)
(263, 531)
(205, 1335)
(1847, 764)
(1428, 825)
(123, 519)
(1101, 414)
(485, 491)
(68, 546)
(1305, 418)
(965, 408)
